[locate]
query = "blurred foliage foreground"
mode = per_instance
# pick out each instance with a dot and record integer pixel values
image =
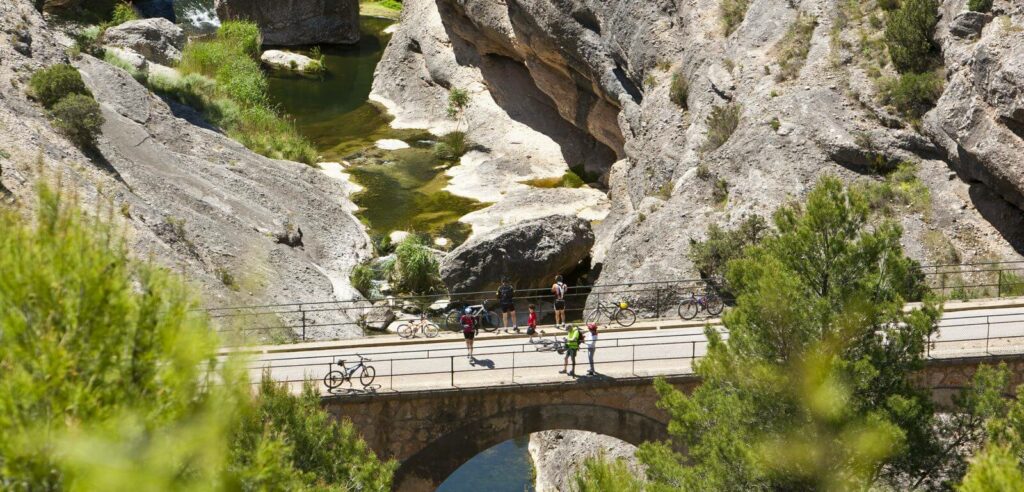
(109, 381)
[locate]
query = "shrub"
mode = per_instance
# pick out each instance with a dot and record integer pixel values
(979, 5)
(452, 146)
(679, 91)
(733, 12)
(720, 192)
(908, 34)
(51, 84)
(912, 94)
(703, 173)
(794, 47)
(711, 255)
(888, 5)
(123, 12)
(722, 122)
(362, 279)
(415, 269)
(79, 118)
(241, 36)
(900, 188)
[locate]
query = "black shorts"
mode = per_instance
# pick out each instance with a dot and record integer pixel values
(559, 304)
(508, 307)
(571, 352)
(468, 335)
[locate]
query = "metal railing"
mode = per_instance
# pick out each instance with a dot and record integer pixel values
(322, 320)
(622, 357)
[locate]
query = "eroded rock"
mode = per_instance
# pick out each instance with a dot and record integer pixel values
(157, 39)
(297, 22)
(530, 254)
(284, 60)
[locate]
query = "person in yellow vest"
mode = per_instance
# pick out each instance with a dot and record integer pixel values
(572, 345)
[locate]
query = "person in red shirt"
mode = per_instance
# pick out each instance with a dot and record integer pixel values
(468, 331)
(531, 322)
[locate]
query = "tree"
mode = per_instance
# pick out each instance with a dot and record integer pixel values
(711, 255)
(108, 378)
(812, 389)
(908, 35)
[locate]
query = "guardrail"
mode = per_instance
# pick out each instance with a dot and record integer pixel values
(296, 322)
(619, 355)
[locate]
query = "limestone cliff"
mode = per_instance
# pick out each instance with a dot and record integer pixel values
(189, 197)
(604, 71)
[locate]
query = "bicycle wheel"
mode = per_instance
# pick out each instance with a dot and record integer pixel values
(451, 321)
(594, 316)
(625, 317)
(688, 309)
(405, 330)
(489, 321)
(366, 377)
(333, 379)
(430, 330)
(714, 305)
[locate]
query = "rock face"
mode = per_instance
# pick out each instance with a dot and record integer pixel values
(526, 253)
(157, 39)
(559, 454)
(283, 60)
(189, 197)
(297, 22)
(594, 78)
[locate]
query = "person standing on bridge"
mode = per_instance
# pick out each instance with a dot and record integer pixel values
(572, 345)
(468, 331)
(506, 294)
(591, 346)
(558, 290)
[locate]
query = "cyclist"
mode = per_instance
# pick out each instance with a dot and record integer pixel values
(506, 294)
(468, 331)
(558, 290)
(572, 345)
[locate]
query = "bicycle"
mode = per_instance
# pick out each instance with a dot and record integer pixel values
(408, 330)
(548, 345)
(709, 302)
(618, 312)
(336, 378)
(488, 320)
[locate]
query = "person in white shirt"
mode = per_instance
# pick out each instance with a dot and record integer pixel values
(558, 290)
(591, 346)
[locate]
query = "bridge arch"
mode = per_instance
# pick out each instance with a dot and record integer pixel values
(431, 465)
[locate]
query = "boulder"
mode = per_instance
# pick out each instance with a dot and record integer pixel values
(969, 24)
(530, 254)
(159, 40)
(130, 57)
(283, 60)
(297, 22)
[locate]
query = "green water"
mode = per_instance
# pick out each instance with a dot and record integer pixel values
(502, 468)
(403, 188)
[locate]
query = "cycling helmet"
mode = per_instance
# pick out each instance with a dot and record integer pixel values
(469, 311)
(558, 278)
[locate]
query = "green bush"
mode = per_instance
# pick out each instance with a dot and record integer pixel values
(679, 91)
(912, 94)
(900, 188)
(888, 5)
(224, 80)
(111, 378)
(362, 279)
(794, 47)
(53, 83)
(79, 118)
(415, 269)
(733, 12)
(571, 180)
(123, 12)
(722, 122)
(908, 35)
(980, 5)
(452, 146)
(720, 193)
(711, 255)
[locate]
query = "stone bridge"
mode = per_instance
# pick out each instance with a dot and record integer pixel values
(432, 433)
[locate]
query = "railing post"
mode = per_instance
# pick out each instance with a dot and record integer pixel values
(513, 368)
(451, 362)
(657, 304)
(303, 311)
(988, 334)
(999, 284)
(632, 358)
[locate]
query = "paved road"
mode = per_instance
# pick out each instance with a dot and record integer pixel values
(647, 349)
